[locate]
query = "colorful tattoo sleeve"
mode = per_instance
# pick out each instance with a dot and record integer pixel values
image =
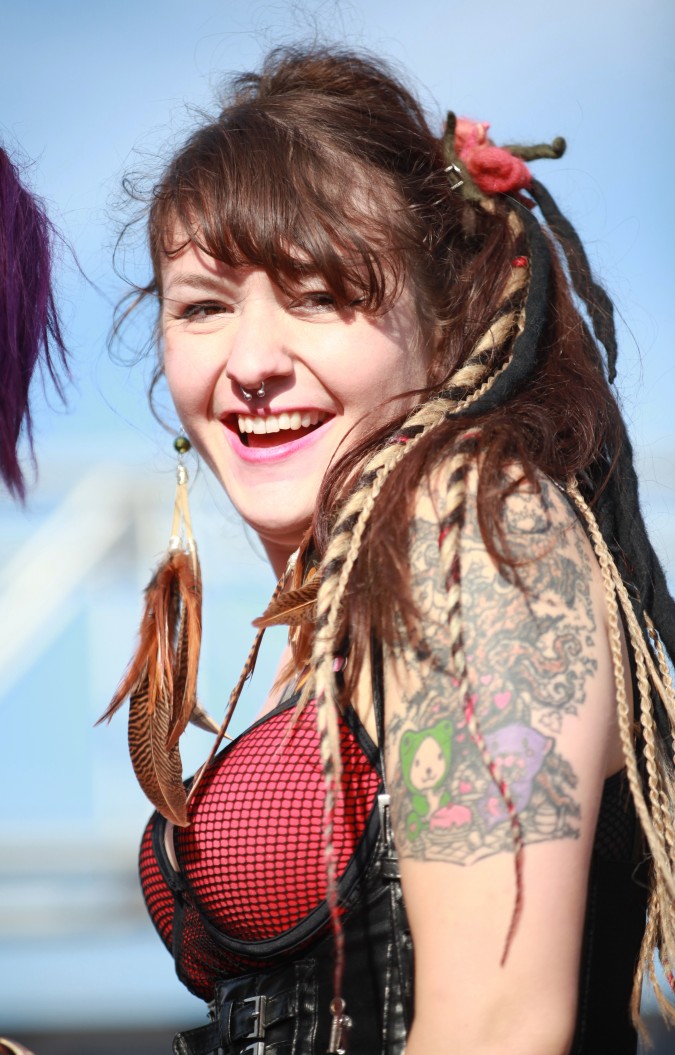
(529, 637)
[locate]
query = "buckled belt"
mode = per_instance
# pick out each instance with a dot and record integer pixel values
(258, 1014)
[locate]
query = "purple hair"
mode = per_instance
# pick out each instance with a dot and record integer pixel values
(29, 323)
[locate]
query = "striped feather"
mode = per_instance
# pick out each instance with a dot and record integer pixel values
(158, 769)
(292, 607)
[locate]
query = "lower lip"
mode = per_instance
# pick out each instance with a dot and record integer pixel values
(277, 453)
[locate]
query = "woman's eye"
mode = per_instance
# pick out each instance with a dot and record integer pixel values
(323, 301)
(316, 300)
(202, 310)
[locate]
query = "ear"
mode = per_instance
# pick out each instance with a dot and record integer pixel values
(446, 729)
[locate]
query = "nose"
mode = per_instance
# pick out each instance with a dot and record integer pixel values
(258, 353)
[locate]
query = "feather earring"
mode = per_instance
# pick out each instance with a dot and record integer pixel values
(161, 679)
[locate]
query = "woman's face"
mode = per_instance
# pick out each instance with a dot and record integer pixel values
(326, 374)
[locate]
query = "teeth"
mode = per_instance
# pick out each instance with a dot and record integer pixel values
(279, 422)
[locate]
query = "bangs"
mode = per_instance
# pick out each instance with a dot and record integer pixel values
(257, 191)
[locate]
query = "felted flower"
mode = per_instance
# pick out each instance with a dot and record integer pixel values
(470, 134)
(493, 169)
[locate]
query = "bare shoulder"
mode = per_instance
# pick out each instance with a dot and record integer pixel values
(531, 637)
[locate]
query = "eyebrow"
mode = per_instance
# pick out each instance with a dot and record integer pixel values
(214, 284)
(195, 281)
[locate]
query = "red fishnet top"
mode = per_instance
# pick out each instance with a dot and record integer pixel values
(251, 884)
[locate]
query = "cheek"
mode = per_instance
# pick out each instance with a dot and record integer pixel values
(188, 384)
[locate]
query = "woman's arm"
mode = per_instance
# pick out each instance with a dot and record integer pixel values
(542, 696)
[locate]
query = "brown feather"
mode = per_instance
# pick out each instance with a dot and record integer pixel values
(184, 695)
(292, 607)
(203, 720)
(162, 606)
(158, 770)
(154, 658)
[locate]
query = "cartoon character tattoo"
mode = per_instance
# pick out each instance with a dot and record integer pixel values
(518, 752)
(425, 764)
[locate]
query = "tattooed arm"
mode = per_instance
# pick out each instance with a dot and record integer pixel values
(539, 711)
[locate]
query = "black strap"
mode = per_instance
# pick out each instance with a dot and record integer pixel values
(377, 686)
(201, 1041)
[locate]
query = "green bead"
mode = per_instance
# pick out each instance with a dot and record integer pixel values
(182, 444)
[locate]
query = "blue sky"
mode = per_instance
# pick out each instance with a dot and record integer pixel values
(91, 91)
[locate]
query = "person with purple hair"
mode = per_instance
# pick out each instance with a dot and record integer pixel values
(30, 331)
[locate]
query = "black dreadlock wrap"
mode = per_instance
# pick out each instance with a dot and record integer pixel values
(597, 302)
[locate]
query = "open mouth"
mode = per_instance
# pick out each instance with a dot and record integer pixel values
(273, 430)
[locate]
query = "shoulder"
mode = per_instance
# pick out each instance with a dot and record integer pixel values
(534, 513)
(533, 552)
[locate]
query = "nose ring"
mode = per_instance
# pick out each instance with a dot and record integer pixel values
(259, 394)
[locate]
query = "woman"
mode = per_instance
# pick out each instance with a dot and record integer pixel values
(373, 345)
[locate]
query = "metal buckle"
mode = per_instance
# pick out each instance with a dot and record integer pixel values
(258, 1021)
(390, 865)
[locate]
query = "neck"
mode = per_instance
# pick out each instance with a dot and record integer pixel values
(278, 556)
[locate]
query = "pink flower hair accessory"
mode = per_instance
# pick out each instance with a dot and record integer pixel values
(488, 169)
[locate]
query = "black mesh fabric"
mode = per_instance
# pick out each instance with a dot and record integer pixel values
(615, 833)
(251, 862)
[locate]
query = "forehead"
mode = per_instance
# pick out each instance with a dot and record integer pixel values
(188, 264)
(185, 262)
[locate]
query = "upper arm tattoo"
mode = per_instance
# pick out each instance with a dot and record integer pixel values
(529, 637)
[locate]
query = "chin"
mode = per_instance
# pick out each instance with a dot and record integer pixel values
(281, 533)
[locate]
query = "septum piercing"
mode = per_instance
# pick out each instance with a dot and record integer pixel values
(248, 396)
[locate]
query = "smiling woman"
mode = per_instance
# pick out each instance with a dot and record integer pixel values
(384, 358)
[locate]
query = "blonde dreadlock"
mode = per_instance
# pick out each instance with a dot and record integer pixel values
(495, 346)
(655, 809)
